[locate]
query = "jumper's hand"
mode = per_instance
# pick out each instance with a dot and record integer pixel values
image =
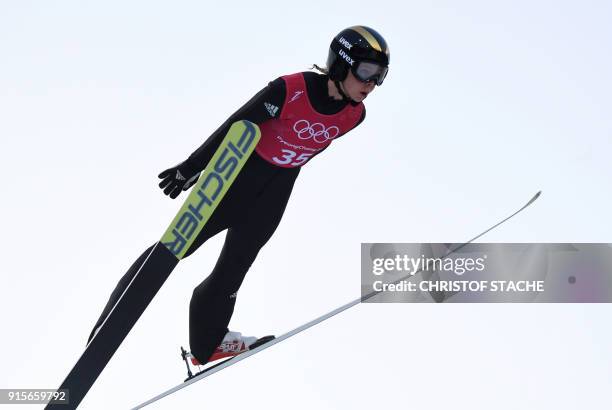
(177, 178)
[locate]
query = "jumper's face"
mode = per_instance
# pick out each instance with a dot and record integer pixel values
(355, 89)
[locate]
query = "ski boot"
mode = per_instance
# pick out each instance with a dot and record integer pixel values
(233, 344)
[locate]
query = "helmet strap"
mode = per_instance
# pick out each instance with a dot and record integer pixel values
(341, 91)
(345, 97)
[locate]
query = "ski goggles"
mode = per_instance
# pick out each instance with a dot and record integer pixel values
(366, 71)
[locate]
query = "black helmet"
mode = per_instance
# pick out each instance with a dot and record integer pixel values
(361, 50)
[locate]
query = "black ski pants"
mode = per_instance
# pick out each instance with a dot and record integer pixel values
(250, 212)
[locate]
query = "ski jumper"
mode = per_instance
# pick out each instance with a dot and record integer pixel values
(298, 120)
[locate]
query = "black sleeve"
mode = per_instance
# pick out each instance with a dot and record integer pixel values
(266, 104)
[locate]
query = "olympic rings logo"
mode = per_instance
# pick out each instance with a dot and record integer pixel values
(316, 131)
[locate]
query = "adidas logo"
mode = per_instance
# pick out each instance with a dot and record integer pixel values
(272, 109)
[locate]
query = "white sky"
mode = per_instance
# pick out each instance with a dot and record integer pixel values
(485, 104)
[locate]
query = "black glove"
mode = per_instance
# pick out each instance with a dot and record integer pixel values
(177, 178)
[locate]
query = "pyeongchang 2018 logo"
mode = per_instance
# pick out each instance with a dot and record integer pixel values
(317, 131)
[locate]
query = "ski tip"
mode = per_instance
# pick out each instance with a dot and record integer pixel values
(536, 196)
